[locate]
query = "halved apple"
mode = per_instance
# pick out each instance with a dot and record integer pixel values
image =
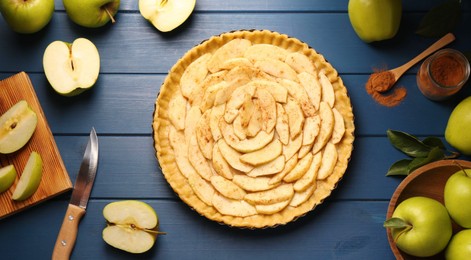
(132, 226)
(7, 177)
(17, 125)
(166, 15)
(71, 68)
(30, 178)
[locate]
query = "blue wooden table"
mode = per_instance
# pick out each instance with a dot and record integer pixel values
(135, 59)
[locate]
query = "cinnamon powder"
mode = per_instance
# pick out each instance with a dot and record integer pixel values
(443, 74)
(447, 71)
(379, 86)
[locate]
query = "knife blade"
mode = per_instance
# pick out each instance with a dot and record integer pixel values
(78, 202)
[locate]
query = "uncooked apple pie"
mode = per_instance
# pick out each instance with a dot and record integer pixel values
(253, 128)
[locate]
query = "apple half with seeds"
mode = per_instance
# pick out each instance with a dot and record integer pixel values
(30, 178)
(166, 15)
(71, 68)
(132, 226)
(7, 177)
(17, 126)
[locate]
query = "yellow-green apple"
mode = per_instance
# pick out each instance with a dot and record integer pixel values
(17, 126)
(457, 197)
(166, 15)
(91, 13)
(7, 177)
(30, 178)
(27, 16)
(132, 226)
(375, 20)
(420, 226)
(459, 247)
(71, 68)
(457, 132)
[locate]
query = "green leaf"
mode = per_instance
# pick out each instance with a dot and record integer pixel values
(408, 144)
(435, 154)
(434, 142)
(396, 223)
(400, 167)
(440, 20)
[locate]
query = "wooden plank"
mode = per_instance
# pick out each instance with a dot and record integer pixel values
(279, 6)
(55, 179)
(344, 229)
(124, 104)
(145, 50)
(129, 168)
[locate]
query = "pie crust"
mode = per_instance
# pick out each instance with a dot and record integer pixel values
(253, 137)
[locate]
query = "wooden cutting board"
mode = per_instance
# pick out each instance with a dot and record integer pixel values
(55, 179)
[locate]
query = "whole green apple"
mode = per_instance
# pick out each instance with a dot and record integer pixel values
(27, 16)
(375, 20)
(460, 246)
(457, 132)
(420, 226)
(457, 197)
(91, 13)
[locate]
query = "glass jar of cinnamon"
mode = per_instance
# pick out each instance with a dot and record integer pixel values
(443, 74)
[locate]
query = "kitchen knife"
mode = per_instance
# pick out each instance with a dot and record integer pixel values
(78, 201)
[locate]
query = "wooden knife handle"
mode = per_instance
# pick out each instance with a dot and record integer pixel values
(68, 233)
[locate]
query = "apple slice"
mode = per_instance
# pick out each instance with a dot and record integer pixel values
(132, 226)
(7, 177)
(71, 68)
(17, 126)
(30, 178)
(166, 15)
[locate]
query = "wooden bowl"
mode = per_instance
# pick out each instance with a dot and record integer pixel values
(428, 181)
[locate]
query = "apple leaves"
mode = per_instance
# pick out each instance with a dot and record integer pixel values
(441, 19)
(420, 152)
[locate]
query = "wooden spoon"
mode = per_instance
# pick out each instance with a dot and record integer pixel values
(442, 42)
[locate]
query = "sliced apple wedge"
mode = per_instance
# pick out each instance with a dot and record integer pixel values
(71, 68)
(166, 15)
(7, 177)
(30, 178)
(132, 226)
(17, 126)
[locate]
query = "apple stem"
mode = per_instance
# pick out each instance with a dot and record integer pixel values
(163, 3)
(461, 167)
(132, 226)
(155, 232)
(111, 16)
(453, 155)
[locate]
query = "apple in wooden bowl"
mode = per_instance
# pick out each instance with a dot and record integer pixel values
(427, 181)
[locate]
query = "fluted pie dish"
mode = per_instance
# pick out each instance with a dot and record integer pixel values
(253, 129)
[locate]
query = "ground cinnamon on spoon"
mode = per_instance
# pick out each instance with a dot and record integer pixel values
(379, 87)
